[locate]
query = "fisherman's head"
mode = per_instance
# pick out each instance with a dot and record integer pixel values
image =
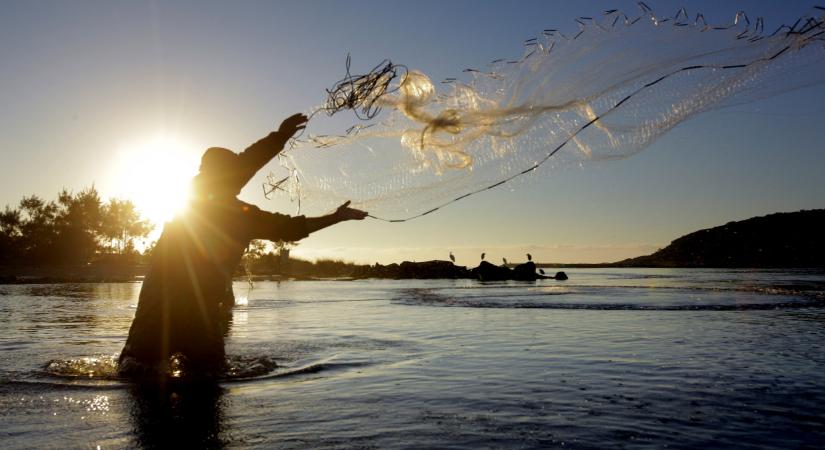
(220, 173)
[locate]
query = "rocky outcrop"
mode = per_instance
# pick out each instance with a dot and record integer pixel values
(446, 269)
(414, 270)
(491, 272)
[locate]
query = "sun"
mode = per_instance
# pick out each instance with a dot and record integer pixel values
(155, 174)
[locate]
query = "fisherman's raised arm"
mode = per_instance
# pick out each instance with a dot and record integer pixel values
(260, 153)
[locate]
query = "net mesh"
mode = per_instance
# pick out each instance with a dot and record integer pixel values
(605, 92)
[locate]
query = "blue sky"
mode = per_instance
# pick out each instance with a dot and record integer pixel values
(81, 81)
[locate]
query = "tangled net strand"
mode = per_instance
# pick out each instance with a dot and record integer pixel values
(360, 93)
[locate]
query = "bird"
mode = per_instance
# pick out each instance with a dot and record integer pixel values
(529, 257)
(505, 261)
(452, 258)
(482, 256)
(541, 271)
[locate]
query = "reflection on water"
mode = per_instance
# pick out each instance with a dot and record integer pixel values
(609, 358)
(184, 415)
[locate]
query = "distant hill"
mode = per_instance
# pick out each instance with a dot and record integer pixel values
(785, 240)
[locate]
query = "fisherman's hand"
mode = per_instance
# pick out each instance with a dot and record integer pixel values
(344, 212)
(292, 125)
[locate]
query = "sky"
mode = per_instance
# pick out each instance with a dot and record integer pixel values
(127, 95)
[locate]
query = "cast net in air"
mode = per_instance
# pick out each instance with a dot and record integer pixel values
(604, 92)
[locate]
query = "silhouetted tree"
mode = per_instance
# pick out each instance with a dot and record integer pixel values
(10, 222)
(79, 223)
(37, 228)
(72, 230)
(9, 234)
(122, 225)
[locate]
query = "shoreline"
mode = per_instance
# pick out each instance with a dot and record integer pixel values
(134, 274)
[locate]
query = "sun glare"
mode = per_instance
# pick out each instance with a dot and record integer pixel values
(155, 174)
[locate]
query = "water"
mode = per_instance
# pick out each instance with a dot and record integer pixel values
(610, 358)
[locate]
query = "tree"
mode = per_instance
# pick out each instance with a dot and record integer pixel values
(10, 221)
(122, 225)
(73, 229)
(79, 222)
(37, 228)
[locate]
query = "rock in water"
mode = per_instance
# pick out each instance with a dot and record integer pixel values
(525, 272)
(491, 272)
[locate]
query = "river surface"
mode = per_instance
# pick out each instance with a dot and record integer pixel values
(611, 358)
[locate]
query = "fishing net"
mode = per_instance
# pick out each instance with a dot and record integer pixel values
(604, 92)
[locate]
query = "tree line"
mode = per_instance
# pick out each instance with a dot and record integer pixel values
(73, 229)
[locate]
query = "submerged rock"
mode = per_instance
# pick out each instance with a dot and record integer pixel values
(560, 276)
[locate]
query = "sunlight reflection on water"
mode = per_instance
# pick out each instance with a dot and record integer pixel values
(438, 364)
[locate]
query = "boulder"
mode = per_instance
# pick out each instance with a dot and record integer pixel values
(525, 272)
(445, 269)
(432, 270)
(491, 272)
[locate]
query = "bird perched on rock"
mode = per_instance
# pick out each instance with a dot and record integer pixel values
(529, 257)
(505, 261)
(452, 258)
(482, 256)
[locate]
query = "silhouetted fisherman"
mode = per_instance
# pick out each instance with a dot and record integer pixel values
(186, 299)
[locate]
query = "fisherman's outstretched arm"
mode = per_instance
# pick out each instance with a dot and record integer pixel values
(343, 213)
(280, 227)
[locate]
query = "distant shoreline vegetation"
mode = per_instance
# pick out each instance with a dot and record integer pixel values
(79, 238)
(779, 240)
(75, 229)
